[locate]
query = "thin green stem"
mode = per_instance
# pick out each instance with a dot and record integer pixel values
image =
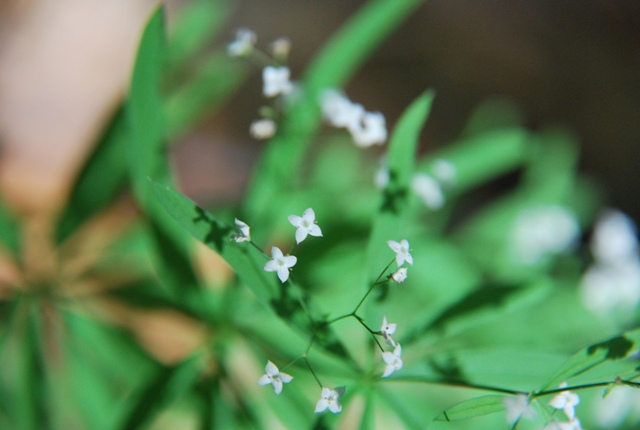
(258, 248)
(376, 282)
(306, 360)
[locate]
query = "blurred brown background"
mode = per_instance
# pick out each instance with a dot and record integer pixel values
(64, 65)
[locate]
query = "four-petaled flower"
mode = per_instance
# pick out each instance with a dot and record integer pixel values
(276, 81)
(566, 400)
(402, 251)
(393, 360)
(518, 407)
(399, 275)
(274, 377)
(329, 399)
(280, 263)
(387, 330)
(305, 225)
(243, 235)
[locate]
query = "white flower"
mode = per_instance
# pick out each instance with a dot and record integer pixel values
(606, 288)
(566, 400)
(518, 407)
(262, 129)
(428, 190)
(402, 251)
(243, 235)
(281, 48)
(276, 81)
(445, 172)
(393, 360)
(621, 405)
(574, 424)
(244, 43)
(370, 130)
(543, 230)
(387, 330)
(274, 377)
(329, 399)
(614, 238)
(280, 263)
(305, 225)
(399, 275)
(339, 111)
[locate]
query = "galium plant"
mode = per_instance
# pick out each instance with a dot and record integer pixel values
(332, 240)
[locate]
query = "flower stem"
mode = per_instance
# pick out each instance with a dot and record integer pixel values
(306, 360)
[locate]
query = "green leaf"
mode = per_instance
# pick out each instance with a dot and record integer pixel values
(335, 64)
(617, 348)
(147, 158)
(472, 408)
(204, 92)
(10, 230)
(99, 181)
(166, 387)
(196, 26)
(390, 220)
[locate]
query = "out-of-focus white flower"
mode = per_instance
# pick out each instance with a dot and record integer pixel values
(274, 377)
(399, 275)
(393, 360)
(620, 405)
(566, 400)
(276, 81)
(243, 44)
(381, 178)
(371, 130)
(305, 225)
(243, 235)
(280, 263)
(518, 407)
(574, 424)
(542, 231)
(329, 399)
(445, 172)
(606, 288)
(387, 330)
(614, 238)
(428, 190)
(402, 251)
(263, 129)
(339, 111)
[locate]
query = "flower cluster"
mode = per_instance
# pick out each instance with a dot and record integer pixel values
(366, 128)
(612, 282)
(276, 77)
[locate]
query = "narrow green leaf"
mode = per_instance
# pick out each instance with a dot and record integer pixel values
(334, 65)
(166, 387)
(99, 181)
(9, 230)
(617, 348)
(147, 157)
(196, 26)
(391, 218)
(472, 408)
(204, 92)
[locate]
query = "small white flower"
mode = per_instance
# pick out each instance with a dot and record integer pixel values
(566, 400)
(339, 111)
(280, 263)
(402, 251)
(543, 230)
(262, 129)
(614, 238)
(276, 81)
(393, 360)
(305, 225)
(329, 399)
(445, 172)
(371, 130)
(244, 43)
(518, 407)
(574, 424)
(281, 48)
(387, 330)
(399, 275)
(428, 190)
(243, 235)
(274, 377)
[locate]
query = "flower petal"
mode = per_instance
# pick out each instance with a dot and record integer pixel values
(290, 260)
(309, 215)
(388, 370)
(395, 246)
(277, 386)
(301, 234)
(271, 266)
(276, 253)
(295, 220)
(314, 230)
(388, 357)
(321, 405)
(271, 369)
(286, 378)
(264, 380)
(283, 274)
(335, 407)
